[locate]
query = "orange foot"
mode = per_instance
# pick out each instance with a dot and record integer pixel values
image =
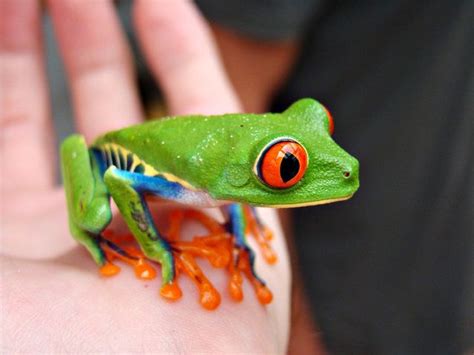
(264, 295)
(209, 297)
(239, 265)
(218, 247)
(130, 255)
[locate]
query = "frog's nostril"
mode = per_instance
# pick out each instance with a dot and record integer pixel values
(346, 174)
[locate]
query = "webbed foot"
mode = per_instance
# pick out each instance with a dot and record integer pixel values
(213, 247)
(242, 263)
(245, 262)
(219, 247)
(222, 250)
(209, 297)
(128, 254)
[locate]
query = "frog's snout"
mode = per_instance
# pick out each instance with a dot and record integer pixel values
(350, 174)
(351, 171)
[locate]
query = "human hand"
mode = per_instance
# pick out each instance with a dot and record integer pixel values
(53, 299)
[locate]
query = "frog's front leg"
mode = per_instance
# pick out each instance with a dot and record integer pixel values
(87, 199)
(128, 190)
(243, 256)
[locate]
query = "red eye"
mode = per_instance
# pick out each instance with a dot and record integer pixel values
(330, 121)
(282, 164)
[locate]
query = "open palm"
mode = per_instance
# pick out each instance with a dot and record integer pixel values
(52, 297)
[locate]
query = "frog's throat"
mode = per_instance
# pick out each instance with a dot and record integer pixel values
(311, 203)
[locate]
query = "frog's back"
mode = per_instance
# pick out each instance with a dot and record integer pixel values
(196, 148)
(183, 146)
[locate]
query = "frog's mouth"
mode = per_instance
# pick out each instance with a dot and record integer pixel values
(312, 203)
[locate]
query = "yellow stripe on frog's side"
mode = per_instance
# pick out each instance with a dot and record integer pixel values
(114, 152)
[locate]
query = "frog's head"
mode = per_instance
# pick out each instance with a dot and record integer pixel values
(289, 160)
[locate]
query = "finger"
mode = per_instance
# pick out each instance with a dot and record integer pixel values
(179, 49)
(98, 64)
(26, 137)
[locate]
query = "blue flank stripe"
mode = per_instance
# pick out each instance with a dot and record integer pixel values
(156, 185)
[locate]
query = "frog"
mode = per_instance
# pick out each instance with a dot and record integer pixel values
(236, 162)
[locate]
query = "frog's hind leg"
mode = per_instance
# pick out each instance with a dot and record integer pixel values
(243, 257)
(128, 190)
(87, 199)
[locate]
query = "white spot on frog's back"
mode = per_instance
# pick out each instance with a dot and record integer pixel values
(196, 159)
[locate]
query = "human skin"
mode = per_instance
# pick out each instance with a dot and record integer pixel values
(52, 299)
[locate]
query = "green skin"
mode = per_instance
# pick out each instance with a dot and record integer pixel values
(217, 156)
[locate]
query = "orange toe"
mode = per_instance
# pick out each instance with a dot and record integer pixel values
(269, 255)
(109, 269)
(171, 291)
(235, 290)
(264, 295)
(267, 234)
(144, 271)
(235, 286)
(210, 298)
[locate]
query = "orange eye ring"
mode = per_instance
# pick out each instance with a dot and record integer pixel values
(282, 164)
(330, 121)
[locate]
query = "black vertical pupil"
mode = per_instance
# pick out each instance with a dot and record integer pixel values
(289, 167)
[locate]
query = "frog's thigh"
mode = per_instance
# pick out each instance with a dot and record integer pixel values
(127, 190)
(86, 195)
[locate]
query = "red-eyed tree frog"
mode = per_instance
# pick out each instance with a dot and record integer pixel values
(233, 161)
